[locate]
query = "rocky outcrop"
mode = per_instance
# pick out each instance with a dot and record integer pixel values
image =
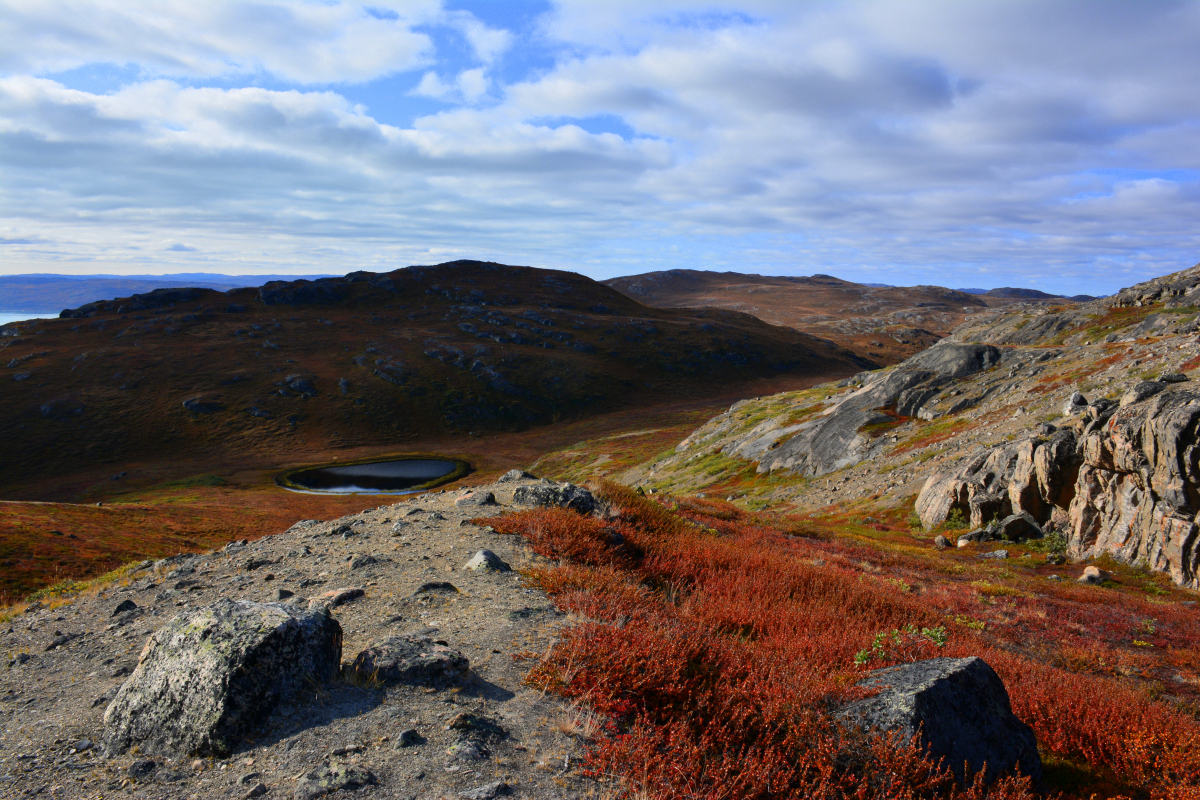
(1120, 480)
(961, 711)
(209, 676)
(837, 439)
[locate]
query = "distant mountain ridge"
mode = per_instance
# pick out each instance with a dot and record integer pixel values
(884, 323)
(43, 292)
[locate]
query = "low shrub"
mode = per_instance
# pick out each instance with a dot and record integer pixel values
(716, 645)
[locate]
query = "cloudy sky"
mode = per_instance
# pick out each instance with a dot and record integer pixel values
(1054, 145)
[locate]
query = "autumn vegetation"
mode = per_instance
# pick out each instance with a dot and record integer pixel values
(717, 644)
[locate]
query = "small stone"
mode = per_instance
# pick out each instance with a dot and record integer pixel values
(436, 586)
(258, 791)
(336, 597)
(474, 723)
(1075, 404)
(332, 776)
(473, 499)
(363, 561)
(141, 769)
(409, 738)
(515, 475)
(348, 750)
(487, 561)
(1093, 575)
(1173, 377)
(249, 777)
(468, 750)
(995, 554)
(123, 606)
(941, 542)
(488, 792)
(284, 594)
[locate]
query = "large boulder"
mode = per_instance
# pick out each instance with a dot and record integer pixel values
(209, 676)
(961, 711)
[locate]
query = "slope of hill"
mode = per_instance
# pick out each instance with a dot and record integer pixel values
(884, 323)
(381, 359)
(41, 293)
(1104, 385)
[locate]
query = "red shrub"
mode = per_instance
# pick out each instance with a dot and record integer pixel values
(718, 644)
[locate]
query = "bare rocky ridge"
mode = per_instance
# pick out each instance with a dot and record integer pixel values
(430, 703)
(1081, 418)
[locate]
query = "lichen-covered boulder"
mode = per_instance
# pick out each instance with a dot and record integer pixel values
(961, 710)
(209, 676)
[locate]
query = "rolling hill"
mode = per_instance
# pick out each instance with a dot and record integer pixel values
(368, 359)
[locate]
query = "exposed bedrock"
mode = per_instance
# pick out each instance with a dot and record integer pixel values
(836, 439)
(209, 676)
(1119, 480)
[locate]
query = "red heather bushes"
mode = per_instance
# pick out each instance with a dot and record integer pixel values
(717, 648)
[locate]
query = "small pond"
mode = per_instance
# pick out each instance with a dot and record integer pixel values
(392, 476)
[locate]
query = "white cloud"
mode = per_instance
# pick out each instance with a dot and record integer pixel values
(304, 42)
(468, 86)
(909, 142)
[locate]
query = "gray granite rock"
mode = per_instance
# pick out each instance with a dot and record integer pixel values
(961, 710)
(209, 676)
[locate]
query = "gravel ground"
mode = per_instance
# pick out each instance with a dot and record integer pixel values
(66, 661)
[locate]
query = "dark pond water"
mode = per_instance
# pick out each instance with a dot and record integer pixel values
(380, 477)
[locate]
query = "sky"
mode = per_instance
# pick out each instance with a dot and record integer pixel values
(1050, 145)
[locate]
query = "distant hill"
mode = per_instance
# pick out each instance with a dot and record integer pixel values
(884, 323)
(1009, 293)
(47, 292)
(368, 359)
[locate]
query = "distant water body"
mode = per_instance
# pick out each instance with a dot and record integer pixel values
(16, 316)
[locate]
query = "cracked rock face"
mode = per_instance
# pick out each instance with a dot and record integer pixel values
(961, 710)
(1123, 481)
(209, 676)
